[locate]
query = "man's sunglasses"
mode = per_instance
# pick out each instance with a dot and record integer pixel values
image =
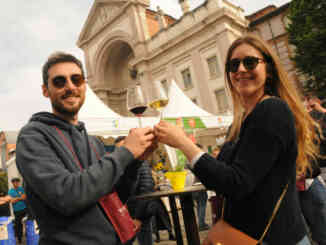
(60, 81)
(249, 62)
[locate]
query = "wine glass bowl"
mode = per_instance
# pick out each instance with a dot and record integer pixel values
(136, 101)
(158, 98)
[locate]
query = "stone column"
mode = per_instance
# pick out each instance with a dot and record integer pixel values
(203, 89)
(184, 6)
(161, 19)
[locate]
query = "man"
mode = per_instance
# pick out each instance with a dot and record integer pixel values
(312, 191)
(65, 170)
(18, 197)
(141, 210)
(318, 112)
(201, 198)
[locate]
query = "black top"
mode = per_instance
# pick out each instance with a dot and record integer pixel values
(253, 172)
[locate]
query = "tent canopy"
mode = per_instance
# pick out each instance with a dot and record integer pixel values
(101, 120)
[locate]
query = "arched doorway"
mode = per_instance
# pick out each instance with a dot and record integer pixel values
(116, 77)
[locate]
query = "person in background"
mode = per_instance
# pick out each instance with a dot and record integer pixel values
(216, 150)
(318, 112)
(66, 171)
(141, 210)
(201, 198)
(4, 204)
(311, 187)
(161, 218)
(274, 140)
(216, 201)
(18, 197)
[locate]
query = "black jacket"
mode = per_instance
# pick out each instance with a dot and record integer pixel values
(63, 197)
(141, 209)
(253, 173)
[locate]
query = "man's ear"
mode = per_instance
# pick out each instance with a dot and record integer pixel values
(45, 90)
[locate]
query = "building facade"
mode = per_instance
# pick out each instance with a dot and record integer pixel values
(270, 24)
(120, 35)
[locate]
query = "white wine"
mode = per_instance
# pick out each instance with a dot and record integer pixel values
(159, 104)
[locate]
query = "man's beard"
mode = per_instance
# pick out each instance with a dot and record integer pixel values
(59, 107)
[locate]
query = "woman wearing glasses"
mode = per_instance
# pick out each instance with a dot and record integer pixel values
(272, 138)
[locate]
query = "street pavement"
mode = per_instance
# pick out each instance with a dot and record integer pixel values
(165, 236)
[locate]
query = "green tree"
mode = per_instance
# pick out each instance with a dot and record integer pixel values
(307, 32)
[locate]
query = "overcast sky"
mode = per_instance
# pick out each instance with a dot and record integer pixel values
(31, 30)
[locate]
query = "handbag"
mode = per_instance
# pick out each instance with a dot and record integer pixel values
(119, 216)
(111, 204)
(222, 233)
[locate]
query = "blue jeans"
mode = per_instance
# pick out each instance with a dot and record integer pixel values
(201, 200)
(304, 241)
(313, 205)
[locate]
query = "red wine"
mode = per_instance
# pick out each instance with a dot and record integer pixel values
(138, 110)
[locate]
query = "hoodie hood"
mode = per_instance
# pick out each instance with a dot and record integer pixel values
(53, 120)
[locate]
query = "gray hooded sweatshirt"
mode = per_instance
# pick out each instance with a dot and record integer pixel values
(63, 196)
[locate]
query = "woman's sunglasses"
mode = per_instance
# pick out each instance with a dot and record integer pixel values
(60, 81)
(249, 62)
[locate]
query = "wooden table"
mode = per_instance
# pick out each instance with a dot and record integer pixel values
(187, 207)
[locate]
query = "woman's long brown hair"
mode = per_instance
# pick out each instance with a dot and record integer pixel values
(307, 136)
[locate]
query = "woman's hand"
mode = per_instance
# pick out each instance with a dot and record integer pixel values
(170, 134)
(174, 136)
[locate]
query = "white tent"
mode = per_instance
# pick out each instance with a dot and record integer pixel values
(99, 118)
(180, 106)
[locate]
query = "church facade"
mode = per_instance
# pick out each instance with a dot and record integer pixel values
(119, 36)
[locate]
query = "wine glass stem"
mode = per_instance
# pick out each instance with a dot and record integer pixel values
(139, 121)
(161, 115)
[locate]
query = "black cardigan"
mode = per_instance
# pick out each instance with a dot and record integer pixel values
(253, 173)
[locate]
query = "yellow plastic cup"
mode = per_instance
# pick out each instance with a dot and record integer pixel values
(177, 179)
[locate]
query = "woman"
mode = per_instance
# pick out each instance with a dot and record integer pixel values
(271, 138)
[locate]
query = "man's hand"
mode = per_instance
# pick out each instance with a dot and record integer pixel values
(149, 150)
(5, 199)
(138, 140)
(137, 224)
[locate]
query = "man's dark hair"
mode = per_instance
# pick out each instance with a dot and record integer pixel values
(199, 145)
(15, 180)
(118, 139)
(59, 57)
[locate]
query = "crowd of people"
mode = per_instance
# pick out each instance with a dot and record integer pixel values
(271, 148)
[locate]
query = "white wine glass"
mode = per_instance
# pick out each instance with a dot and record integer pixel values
(158, 98)
(136, 102)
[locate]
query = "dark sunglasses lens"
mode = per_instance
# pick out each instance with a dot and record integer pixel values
(59, 81)
(233, 65)
(77, 80)
(250, 63)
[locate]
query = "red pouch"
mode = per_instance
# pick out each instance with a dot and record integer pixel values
(119, 216)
